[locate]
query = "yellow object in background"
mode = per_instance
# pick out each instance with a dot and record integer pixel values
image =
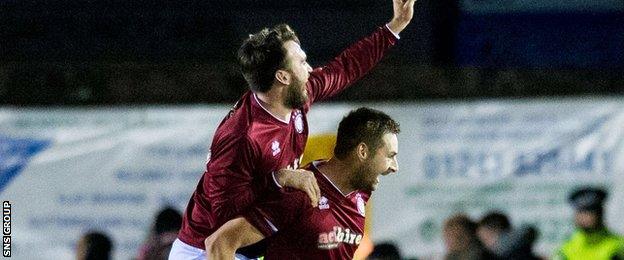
(319, 147)
(322, 147)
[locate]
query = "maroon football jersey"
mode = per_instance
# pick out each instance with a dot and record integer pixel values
(250, 143)
(296, 230)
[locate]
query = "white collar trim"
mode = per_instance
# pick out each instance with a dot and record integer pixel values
(315, 164)
(280, 119)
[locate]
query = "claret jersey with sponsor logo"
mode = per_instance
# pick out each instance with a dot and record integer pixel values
(296, 230)
(250, 143)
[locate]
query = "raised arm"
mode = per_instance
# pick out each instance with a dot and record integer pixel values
(403, 13)
(358, 59)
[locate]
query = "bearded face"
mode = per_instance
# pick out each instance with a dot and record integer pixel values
(365, 178)
(382, 161)
(296, 94)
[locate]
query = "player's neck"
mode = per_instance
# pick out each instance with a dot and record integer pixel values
(272, 102)
(338, 173)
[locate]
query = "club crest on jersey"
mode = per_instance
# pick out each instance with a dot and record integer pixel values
(361, 206)
(275, 146)
(323, 203)
(298, 121)
(332, 239)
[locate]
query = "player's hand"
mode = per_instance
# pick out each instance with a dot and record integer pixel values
(403, 13)
(302, 180)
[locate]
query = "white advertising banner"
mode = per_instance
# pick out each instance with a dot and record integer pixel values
(519, 157)
(66, 171)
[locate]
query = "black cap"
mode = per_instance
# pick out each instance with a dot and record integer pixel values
(588, 198)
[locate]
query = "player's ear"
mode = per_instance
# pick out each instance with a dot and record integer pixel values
(283, 77)
(362, 151)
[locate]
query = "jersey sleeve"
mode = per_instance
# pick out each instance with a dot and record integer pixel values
(229, 187)
(350, 65)
(277, 211)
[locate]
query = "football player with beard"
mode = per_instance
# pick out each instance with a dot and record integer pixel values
(366, 148)
(257, 148)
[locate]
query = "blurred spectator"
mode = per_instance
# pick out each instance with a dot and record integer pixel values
(385, 251)
(501, 240)
(490, 227)
(94, 246)
(164, 232)
(516, 244)
(591, 239)
(460, 238)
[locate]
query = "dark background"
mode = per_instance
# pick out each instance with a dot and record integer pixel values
(176, 52)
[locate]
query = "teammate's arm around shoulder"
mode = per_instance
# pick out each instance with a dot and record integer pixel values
(233, 235)
(300, 179)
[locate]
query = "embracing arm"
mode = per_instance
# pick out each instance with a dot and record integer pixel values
(229, 184)
(277, 211)
(299, 179)
(234, 234)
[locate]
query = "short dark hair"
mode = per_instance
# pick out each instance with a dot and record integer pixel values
(463, 222)
(385, 251)
(168, 220)
(98, 246)
(589, 198)
(363, 125)
(495, 220)
(262, 54)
